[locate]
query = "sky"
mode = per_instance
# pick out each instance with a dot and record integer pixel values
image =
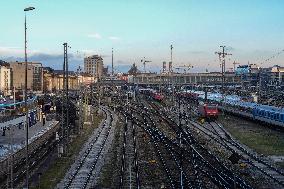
(252, 31)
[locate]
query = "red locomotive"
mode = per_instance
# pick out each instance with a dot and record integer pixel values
(208, 110)
(152, 93)
(157, 96)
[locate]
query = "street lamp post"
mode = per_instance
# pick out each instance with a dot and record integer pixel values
(26, 104)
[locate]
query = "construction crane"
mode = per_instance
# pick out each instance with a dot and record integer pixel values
(235, 63)
(144, 61)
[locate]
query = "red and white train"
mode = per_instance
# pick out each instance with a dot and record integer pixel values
(152, 93)
(157, 96)
(208, 110)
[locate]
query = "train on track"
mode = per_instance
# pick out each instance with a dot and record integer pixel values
(236, 105)
(208, 110)
(263, 113)
(152, 93)
(157, 96)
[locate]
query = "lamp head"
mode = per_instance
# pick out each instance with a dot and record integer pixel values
(29, 9)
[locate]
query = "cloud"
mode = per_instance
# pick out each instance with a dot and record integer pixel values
(49, 60)
(197, 52)
(95, 35)
(44, 57)
(16, 51)
(114, 38)
(88, 52)
(105, 55)
(10, 51)
(122, 62)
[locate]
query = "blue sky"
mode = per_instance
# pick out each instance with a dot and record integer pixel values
(253, 31)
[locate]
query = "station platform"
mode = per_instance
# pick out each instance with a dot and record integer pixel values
(17, 137)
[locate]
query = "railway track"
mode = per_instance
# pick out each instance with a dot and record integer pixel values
(165, 153)
(129, 171)
(200, 169)
(213, 159)
(80, 175)
(216, 132)
(162, 153)
(251, 158)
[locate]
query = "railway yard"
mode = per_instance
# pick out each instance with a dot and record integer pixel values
(150, 141)
(142, 94)
(154, 125)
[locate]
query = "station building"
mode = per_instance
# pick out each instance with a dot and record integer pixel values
(187, 78)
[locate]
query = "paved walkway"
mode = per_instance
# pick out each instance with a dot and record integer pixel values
(17, 136)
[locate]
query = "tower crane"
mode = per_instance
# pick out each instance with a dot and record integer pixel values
(144, 61)
(235, 63)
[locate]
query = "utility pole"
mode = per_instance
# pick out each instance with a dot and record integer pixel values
(65, 101)
(10, 177)
(171, 70)
(172, 54)
(112, 76)
(259, 85)
(222, 56)
(144, 61)
(112, 62)
(160, 81)
(80, 99)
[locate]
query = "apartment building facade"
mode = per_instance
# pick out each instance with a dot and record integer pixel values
(37, 76)
(53, 80)
(18, 76)
(5, 80)
(94, 65)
